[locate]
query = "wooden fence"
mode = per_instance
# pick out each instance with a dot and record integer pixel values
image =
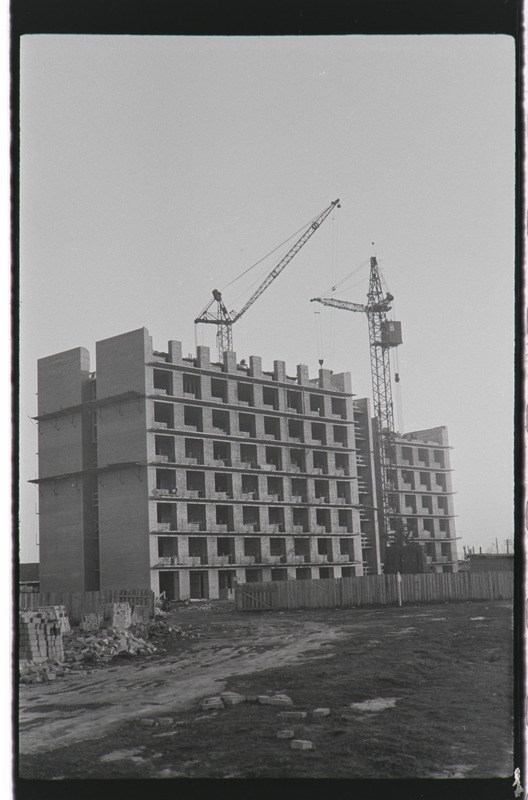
(79, 603)
(374, 590)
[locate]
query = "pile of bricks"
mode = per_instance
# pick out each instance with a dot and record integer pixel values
(44, 672)
(118, 616)
(40, 637)
(57, 613)
(91, 622)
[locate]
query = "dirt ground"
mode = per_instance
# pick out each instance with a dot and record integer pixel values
(413, 692)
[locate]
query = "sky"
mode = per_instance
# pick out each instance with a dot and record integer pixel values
(156, 169)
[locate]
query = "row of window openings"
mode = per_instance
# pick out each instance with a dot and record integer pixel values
(225, 547)
(223, 452)
(247, 426)
(423, 457)
(424, 480)
(429, 527)
(430, 549)
(223, 484)
(426, 504)
(253, 516)
(163, 381)
(199, 580)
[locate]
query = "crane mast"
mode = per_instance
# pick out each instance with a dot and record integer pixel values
(381, 338)
(225, 319)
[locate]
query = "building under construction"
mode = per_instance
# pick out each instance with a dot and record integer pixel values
(184, 475)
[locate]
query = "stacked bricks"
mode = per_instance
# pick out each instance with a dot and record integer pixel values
(91, 622)
(118, 616)
(58, 614)
(40, 638)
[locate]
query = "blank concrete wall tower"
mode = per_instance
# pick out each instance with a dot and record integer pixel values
(122, 491)
(63, 381)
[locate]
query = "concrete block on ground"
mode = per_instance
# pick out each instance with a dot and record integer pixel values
(148, 722)
(320, 712)
(211, 702)
(287, 733)
(263, 699)
(165, 722)
(232, 698)
(280, 700)
(292, 714)
(301, 744)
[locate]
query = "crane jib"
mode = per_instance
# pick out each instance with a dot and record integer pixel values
(224, 319)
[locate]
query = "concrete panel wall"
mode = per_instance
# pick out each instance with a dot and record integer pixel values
(124, 529)
(121, 432)
(121, 361)
(61, 536)
(62, 381)
(60, 445)
(61, 378)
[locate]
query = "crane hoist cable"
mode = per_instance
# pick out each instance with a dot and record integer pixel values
(346, 278)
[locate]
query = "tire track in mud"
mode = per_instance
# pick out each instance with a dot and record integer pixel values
(90, 707)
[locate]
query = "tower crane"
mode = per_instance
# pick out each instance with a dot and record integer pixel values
(383, 335)
(225, 319)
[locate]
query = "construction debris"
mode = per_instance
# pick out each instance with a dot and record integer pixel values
(102, 646)
(157, 629)
(30, 672)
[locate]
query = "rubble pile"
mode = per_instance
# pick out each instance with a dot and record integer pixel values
(102, 646)
(193, 605)
(158, 629)
(43, 672)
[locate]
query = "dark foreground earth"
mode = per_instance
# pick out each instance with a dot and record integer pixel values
(413, 692)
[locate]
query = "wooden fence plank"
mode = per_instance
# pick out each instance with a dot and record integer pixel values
(377, 590)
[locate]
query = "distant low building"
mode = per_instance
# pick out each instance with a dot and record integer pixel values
(491, 562)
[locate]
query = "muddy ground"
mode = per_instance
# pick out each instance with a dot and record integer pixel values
(439, 679)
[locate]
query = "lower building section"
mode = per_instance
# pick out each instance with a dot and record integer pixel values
(208, 566)
(219, 584)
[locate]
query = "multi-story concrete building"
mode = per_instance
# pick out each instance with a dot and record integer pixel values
(424, 496)
(184, 475)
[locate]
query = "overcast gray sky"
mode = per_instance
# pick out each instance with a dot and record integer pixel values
(154, 169)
